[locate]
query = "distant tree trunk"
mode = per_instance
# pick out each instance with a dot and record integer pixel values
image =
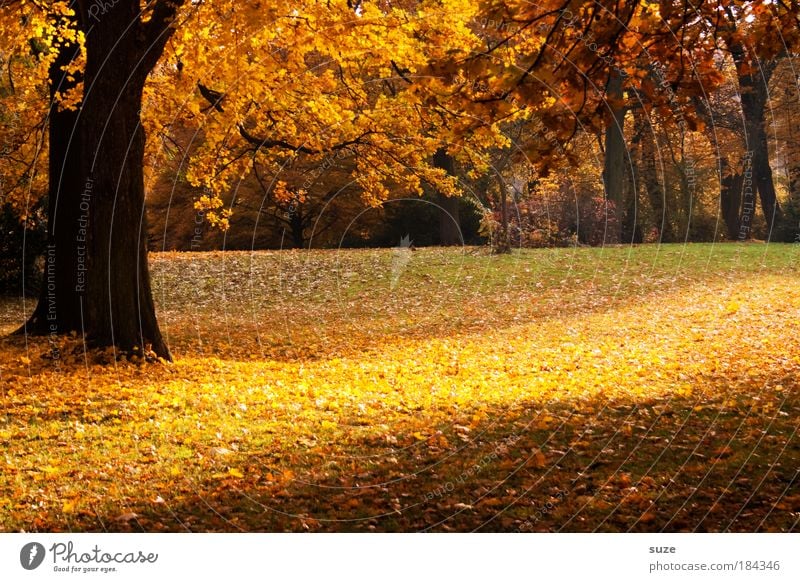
(631, 227)
(449, 218)
(793, 169)
(730, 179)
(687, 192)
(450, 221)
(791, 230)
(731, 183)
(296, 228)
(753, 78)
(683, 204)
(503, 243)
(651, 183)
(58, 310)
(614, 162)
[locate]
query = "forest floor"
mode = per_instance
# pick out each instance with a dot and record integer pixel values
(618, 389)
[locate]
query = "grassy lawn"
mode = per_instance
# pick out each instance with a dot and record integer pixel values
(643, 389)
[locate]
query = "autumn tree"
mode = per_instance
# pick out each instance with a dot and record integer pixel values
(755, 35)
(784, 108)
(97, 181)
(96, 194)
(724, 129)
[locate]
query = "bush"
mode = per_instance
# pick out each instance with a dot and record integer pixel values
(789, 228)
(21, 252)
(556, 219)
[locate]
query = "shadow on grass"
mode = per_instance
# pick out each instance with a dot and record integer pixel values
(670, 464)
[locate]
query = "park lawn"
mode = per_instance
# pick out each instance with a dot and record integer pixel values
(618, 389)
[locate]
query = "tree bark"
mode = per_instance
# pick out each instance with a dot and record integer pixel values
(631, 225)
(58, 310)
(753, 77)
(503, 243)
(649, 176)
(614, 160)
(296, 227)
(121, 51)
(732, 184)
(449, 219)
(97, 277)
(791, 230)
(793, 169)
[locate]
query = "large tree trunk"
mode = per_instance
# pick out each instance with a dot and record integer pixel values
(97, 277)
(762, 171)
(614, 162)
(121, 51)
(449, 219)
(58, 310)
(119, 302)
(793, 162)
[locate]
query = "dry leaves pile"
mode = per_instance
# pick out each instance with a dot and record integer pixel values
(618, 389)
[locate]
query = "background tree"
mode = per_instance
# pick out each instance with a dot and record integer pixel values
(755, 34)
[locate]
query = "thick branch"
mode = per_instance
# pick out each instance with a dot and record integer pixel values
(158, 30)
(260, 143)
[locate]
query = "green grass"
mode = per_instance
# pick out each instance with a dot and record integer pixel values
(618, 389)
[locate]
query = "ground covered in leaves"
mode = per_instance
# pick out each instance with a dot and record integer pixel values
(618, 389)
